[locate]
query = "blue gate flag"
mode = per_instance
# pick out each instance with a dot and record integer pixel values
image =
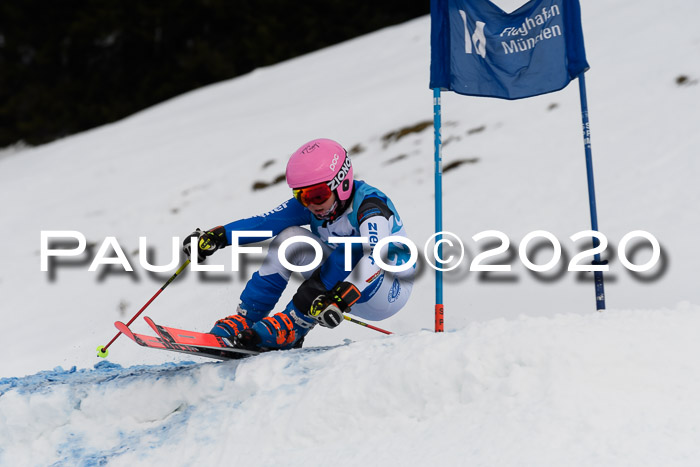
(477, 49)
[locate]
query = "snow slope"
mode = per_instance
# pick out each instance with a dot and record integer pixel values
(576, 390)
(526, 364)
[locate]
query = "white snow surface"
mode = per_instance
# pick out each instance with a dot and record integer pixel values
(596, 389)
(527, 372)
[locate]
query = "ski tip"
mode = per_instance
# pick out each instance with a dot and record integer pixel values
(102, 352)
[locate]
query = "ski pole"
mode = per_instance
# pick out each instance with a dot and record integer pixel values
(102, 350)
(362, 323)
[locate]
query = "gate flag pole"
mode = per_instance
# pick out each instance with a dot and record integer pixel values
(597, 274)
(478, 49)
(439, 308)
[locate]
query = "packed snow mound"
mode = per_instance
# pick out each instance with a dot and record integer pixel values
(613, 388)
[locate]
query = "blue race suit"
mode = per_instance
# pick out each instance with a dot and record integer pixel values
(370, 214)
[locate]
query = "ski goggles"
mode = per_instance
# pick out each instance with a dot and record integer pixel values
(314, 194)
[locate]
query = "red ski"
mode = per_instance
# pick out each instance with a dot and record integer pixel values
(200, 340)
(219, 349)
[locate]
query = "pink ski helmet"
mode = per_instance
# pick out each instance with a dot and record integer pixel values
(321, 160)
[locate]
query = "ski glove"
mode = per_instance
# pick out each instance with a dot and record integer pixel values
(207, 242)
(328, 308)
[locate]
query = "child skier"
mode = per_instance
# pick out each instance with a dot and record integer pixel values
(327, 199)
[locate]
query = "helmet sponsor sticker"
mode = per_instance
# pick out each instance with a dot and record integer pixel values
(310, 148)
(340, 176)
(334, 162)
